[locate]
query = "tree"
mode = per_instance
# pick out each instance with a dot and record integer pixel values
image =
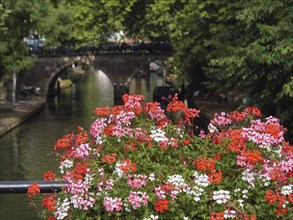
(151, 19)
(240, 44)
(25, 18)
(39, 17)
(58, 25)
(95, 20)
(3, 16)
(17, 26)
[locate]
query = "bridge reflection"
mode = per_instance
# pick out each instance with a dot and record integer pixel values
(109, 48)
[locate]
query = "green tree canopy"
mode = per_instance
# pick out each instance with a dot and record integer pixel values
(246, 45)
(3, 16)
(43, 18)
(152, 19)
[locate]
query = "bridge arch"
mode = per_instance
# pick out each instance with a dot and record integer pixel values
(62, 68)
(119, 68)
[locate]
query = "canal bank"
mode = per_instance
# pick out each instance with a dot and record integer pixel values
(13, 115)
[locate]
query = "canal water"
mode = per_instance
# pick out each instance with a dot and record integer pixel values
(27, 151)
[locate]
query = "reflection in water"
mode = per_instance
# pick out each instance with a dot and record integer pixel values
(145, 86)
(26, 151)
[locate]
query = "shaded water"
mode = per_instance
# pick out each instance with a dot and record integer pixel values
(26, 151)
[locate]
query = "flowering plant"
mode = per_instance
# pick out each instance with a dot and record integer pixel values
(135, 163)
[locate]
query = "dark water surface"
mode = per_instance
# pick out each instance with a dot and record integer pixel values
(27, 151)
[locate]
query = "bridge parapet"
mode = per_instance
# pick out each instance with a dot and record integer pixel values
(109, 48)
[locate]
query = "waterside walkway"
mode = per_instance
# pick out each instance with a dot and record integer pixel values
(12, 116)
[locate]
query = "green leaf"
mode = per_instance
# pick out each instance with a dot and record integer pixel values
(202, 5)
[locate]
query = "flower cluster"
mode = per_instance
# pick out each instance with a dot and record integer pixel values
(135, 163)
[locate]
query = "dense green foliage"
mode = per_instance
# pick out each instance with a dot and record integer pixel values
(3, 16)
(95, 20)
(243, 45)
(40, 18)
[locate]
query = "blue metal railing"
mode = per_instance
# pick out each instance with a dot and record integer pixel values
(22, 186)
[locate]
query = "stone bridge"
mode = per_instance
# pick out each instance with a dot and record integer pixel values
(120, 68)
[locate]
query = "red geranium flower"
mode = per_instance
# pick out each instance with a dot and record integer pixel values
(49, 176)
(33, 189)
(49, 203)
(109, 158)
(162, 205)
(217, 216)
